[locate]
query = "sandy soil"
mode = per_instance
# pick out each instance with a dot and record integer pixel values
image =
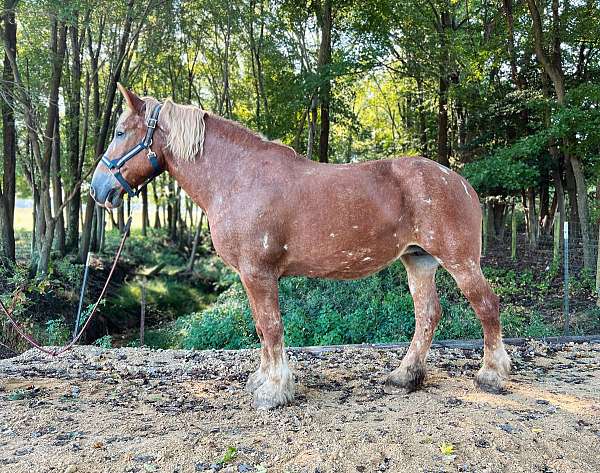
(136, 410)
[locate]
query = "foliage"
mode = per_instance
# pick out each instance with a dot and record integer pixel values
(377, 309)
(57, 332)
(497, 175)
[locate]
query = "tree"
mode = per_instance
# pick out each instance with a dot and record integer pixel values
(9, 135)
(552, 64)
(325, 20)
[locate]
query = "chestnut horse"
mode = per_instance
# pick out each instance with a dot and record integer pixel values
(274, 213)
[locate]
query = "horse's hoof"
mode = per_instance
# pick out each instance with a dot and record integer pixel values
(255, 381)
(270, 395)
(405, 379)
(490, 381)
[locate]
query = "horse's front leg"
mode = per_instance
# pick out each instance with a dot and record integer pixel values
(273, 383)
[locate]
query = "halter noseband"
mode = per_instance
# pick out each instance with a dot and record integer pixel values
(116, 164)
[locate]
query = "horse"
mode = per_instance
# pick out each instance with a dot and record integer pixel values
(273, 213)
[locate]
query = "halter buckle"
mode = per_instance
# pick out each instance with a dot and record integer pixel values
(152, 122)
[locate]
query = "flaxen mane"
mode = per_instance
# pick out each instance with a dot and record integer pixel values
(184, 125)
(185, 129)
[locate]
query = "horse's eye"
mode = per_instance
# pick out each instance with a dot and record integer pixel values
(120, 133)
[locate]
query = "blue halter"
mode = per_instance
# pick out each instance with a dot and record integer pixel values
(116, 164)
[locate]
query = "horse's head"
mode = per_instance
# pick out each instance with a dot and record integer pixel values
(134, 155)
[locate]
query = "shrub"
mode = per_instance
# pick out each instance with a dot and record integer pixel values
(376, 309)
(104, 342)
(57, 332)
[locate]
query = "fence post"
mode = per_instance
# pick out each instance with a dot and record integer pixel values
(566, 314)
(513, 234)
(556, 249)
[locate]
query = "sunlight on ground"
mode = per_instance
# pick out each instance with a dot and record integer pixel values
(522, 395)
(24, 218)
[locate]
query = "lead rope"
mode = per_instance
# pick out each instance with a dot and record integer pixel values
(36, 344)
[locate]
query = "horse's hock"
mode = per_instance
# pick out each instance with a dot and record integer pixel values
(97, 410)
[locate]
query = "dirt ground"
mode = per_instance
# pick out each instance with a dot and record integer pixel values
(137, 410)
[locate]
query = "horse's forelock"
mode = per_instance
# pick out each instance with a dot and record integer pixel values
(184, 125)
(124, 115)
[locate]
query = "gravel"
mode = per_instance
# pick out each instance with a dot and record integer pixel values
(140, 410)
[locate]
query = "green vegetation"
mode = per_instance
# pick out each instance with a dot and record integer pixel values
(377, 309)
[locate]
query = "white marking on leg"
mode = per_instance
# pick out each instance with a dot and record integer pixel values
(279, 385)
(265, 241)
(500, 358)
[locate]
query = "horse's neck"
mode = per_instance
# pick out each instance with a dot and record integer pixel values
(207, 177)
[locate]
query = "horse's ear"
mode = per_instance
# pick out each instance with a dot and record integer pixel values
(135, 103)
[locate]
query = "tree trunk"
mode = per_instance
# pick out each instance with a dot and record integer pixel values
(94, 244)
(121, 218)
(156, 206)
(422, 117)
(57, 198)
(145, 218)
(86, 235)
(532, 218)
(443, 155)
(324, 68)
(100, 227)
(58, 46)
(190, 265)
(312, 127)
(8, 184)
(582, 210)
(74, 106)
(442, 136)
(256, 62)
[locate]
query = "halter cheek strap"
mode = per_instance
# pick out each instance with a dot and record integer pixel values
(114, 165)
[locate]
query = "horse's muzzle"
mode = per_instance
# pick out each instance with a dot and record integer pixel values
(105, 190)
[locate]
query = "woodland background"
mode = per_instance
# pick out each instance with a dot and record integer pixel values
(506, 92)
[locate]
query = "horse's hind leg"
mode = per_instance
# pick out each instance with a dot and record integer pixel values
(496, 363)
(421, 271)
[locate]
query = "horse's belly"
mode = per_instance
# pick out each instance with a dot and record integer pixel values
(348, 259)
